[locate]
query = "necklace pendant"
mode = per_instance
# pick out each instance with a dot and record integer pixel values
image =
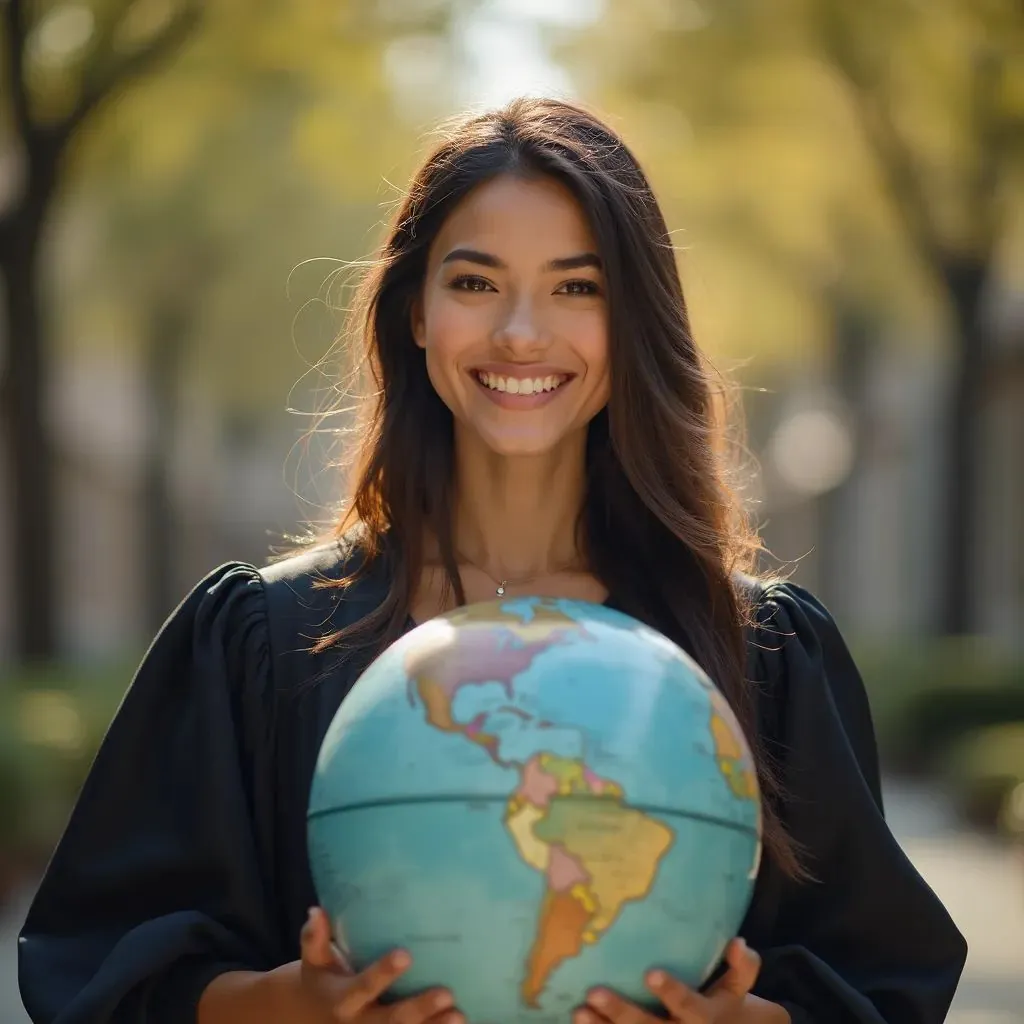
(501, 589)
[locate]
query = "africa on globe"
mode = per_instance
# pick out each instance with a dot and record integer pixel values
(535, 796)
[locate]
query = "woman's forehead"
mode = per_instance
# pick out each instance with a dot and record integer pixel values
(518, 214)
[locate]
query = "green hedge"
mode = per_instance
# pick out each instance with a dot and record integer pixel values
(984, 772)
(926, 696)
(52, 721)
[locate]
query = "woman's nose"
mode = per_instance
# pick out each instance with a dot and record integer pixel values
(520, 330)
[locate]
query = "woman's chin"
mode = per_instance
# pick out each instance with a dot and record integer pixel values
(522, 449)
(523, 444)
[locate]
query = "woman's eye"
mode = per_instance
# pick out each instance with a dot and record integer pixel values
(470, 283)
(580, 287)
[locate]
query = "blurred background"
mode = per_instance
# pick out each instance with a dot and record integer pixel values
(182, 185)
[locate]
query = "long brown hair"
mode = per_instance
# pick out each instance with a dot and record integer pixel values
(660, 526)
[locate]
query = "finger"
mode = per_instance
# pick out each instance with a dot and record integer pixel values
(340, 947)
(681, 1001)
(612, 1007)
(425, 1006)
(342, 962)
(367, 986)
(744, 967)
(315, 940)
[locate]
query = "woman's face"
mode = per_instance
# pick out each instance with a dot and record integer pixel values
(513, 316)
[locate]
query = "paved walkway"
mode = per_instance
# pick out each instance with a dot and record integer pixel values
(980, 881)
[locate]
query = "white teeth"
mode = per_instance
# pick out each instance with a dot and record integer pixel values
(520, 386)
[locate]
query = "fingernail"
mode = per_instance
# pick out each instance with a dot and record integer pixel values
(309, 913)
(656, 979)
(401, 959)
(598, 998)
(443, 1001)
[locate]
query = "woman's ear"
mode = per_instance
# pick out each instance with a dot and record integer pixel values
(419, 327)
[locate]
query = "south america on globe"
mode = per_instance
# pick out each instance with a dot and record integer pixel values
(535, 796)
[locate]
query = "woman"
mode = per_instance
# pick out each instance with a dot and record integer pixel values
(541, 422)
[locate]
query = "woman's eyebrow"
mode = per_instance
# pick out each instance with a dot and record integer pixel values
(583, 259)
(486, 259)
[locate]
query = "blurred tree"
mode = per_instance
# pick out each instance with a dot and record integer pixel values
(204, 214)
(60, 62)
(210, 181)
(878, 145)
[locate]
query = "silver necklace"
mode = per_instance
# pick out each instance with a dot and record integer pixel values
(502, 584)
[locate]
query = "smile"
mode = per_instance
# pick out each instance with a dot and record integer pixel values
(521, 385)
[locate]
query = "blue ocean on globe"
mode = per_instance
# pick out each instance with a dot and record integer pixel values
(535, 796)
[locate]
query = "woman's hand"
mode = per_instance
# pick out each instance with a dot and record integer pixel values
(321, 988)
(333, 992)
(727, 1001)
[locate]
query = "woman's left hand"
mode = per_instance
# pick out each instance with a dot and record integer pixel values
(727, 1001)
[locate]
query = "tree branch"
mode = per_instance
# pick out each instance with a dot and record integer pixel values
(16, 31)
(992, 145)
(112, 73)
(891, 151)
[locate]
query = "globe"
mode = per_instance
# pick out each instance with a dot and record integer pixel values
(534, 796)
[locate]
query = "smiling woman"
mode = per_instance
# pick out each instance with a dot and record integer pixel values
(509, 322)
(540, 421)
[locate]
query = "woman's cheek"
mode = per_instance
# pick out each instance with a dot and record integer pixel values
(454, 327)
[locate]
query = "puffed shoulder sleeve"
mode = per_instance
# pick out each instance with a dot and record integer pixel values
(866, 940)
(163, 877)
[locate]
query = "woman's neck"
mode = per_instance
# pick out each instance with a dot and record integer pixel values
(516, 516)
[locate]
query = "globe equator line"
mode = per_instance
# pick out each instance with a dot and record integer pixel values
(364, 805)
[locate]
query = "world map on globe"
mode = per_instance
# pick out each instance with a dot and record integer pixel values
(534, 796)
(595, 854)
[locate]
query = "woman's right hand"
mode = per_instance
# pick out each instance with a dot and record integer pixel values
(336, 993)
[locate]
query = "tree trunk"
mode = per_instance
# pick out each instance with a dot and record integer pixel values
(159, 536)
(29, 450)
(852, 344)
(962, 482)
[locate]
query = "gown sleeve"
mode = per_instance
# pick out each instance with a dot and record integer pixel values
(164, 876)
(866, 941)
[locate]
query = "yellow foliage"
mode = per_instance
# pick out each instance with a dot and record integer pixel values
(757, 124)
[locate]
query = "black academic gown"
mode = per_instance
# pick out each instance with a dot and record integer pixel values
(185, 855)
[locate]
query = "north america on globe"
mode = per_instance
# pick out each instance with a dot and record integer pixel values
(594, 851)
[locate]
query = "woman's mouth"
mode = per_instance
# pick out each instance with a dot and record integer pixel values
(520, 388)
(510, 385)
